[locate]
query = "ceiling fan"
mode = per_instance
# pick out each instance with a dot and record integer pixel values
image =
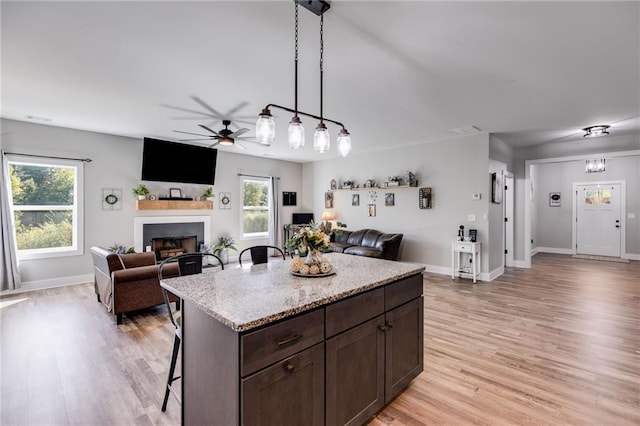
(224, 137)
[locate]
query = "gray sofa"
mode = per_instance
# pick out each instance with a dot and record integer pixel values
(367, 242)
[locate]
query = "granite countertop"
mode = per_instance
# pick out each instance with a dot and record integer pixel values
(249, 297)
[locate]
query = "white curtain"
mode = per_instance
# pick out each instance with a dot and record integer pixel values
(9, 272)
(274, 212)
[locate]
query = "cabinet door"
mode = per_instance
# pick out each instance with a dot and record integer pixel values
(291, 392)
(404, 346)
(355, 373)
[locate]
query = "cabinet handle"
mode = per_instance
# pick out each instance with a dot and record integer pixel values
(289, 367)
(290, 340)
(390, 324)
(382, 328)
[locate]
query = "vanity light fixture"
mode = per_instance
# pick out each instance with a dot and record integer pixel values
(595, 131)
(595, 166)
(265, 126)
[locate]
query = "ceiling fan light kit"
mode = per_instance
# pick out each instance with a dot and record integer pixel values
(265, 126)
(596, 131)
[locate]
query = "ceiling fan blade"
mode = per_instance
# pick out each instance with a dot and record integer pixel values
(208, 129)
(238, 132)
(237, 108)
(254, 140)
(239, 146)
(206, 106)
(192, 140)
(213, 144)
(189, 133)
(203, 114)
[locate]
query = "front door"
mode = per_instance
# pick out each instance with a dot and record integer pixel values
(598, 221)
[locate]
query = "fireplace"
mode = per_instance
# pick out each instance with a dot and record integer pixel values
(175, 234)
(165, 247)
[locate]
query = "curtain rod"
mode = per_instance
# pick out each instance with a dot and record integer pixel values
(256, 176)
(84, 160)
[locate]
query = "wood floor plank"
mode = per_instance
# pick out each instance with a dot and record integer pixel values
(557, 344)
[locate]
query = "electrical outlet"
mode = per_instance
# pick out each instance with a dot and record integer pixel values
(476, 196)
(471, 218)
(631, 215)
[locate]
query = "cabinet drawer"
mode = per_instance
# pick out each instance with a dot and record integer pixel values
(402, 291)
(464, 248)
(276, 342)
(354, 310)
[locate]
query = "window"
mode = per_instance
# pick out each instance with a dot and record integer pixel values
(598, 197)
(255, 207)
(46, 206)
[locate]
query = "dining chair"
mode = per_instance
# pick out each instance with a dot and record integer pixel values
(259, 254)
(188, 264)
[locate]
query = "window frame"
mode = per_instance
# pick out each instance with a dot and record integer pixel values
(243, 208)
(77, 208)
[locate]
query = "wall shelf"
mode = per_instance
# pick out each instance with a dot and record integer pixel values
(373, 188)
(173, 205)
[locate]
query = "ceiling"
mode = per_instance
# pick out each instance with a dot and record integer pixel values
(395, 73)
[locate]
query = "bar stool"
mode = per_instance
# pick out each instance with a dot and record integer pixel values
(259, 254)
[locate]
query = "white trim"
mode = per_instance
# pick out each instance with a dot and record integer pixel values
(520, 264)
(554, 250)
(534, 251)
(495, 273)
(140, 221)
(50, 283)
(435, 269)
(446, 270)
(527, 189)
(509, 202)
(632, 256)
(623, 212)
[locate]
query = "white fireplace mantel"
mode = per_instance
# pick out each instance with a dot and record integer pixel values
(139, 222)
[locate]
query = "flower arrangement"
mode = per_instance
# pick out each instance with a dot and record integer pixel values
(310, 242)
(120, 249)
(224, 242)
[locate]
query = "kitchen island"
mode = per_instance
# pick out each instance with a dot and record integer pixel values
(261, 346)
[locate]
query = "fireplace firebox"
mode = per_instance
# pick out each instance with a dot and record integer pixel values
(165, 247)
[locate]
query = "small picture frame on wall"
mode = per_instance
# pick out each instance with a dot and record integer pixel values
(496, 188)
(389, 199)
(371, 210)
(554, 199)
(289, 198)
(328, 200)
(355, 200)
(424, 198)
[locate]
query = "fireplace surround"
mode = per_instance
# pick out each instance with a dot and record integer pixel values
(168, 228)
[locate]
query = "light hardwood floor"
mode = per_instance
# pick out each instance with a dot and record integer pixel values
(556, 344)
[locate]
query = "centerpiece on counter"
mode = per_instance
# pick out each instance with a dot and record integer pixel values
(309, 242)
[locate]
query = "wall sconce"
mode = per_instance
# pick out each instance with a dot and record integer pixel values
(595, 166)
(595, 131)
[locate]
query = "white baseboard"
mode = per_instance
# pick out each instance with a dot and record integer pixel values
(520, 264)
(553, 250)
(534, 251)
(442, 270)
(495, 273)
(632, 256)
(482, 276)
(50, 283)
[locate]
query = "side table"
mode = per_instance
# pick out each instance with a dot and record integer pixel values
(458, 247)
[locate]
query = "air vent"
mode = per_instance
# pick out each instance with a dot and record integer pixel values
(37, 118)
(468, 130)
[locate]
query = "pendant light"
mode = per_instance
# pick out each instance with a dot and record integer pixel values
(296, 130)
(265, 126)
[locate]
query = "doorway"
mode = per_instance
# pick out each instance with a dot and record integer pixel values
(598, 211)
(508, 218)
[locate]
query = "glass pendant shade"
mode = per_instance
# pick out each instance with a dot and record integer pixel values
(296, 133)
(265, 128)
(321, 139)
(344, 142)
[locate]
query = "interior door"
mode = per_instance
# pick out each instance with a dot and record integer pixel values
(509, 188)
(598, 227)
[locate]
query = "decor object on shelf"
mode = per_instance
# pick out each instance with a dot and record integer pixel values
(595, 131)
(334, 184)
(111, 198)
(348, 184)
(207, 194)
(221, 249)
(424, 198)
(595, 166)
(461, 233)
(175, 193)
(410, 179)
(554, 199)
(389, 199)
(309, 242)
(328, 200)
(496, 188)
(355, 199)
(265, 126)
(141, 191)
(473, 235)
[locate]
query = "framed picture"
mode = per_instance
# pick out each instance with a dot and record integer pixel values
(554, 199)
(225, 200)
(355, 199)
(473, 235)
(328, 200)
(389, 199)
(424, 198)
(334, 185)
(289, 198)
(496, 188)
(371, 210)
(175, 193)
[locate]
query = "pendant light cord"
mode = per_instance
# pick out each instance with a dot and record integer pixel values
(296, 62)
(321, 61)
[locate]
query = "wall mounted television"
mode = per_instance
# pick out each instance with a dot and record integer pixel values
(166, 161)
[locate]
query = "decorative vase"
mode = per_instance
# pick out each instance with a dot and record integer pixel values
(313, 257)
(142, 197)
(224, 255)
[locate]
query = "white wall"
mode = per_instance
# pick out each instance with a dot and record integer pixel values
(454, 168)
(116, 164)
(555, 223)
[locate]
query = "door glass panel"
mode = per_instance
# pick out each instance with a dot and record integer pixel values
(598, 198)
